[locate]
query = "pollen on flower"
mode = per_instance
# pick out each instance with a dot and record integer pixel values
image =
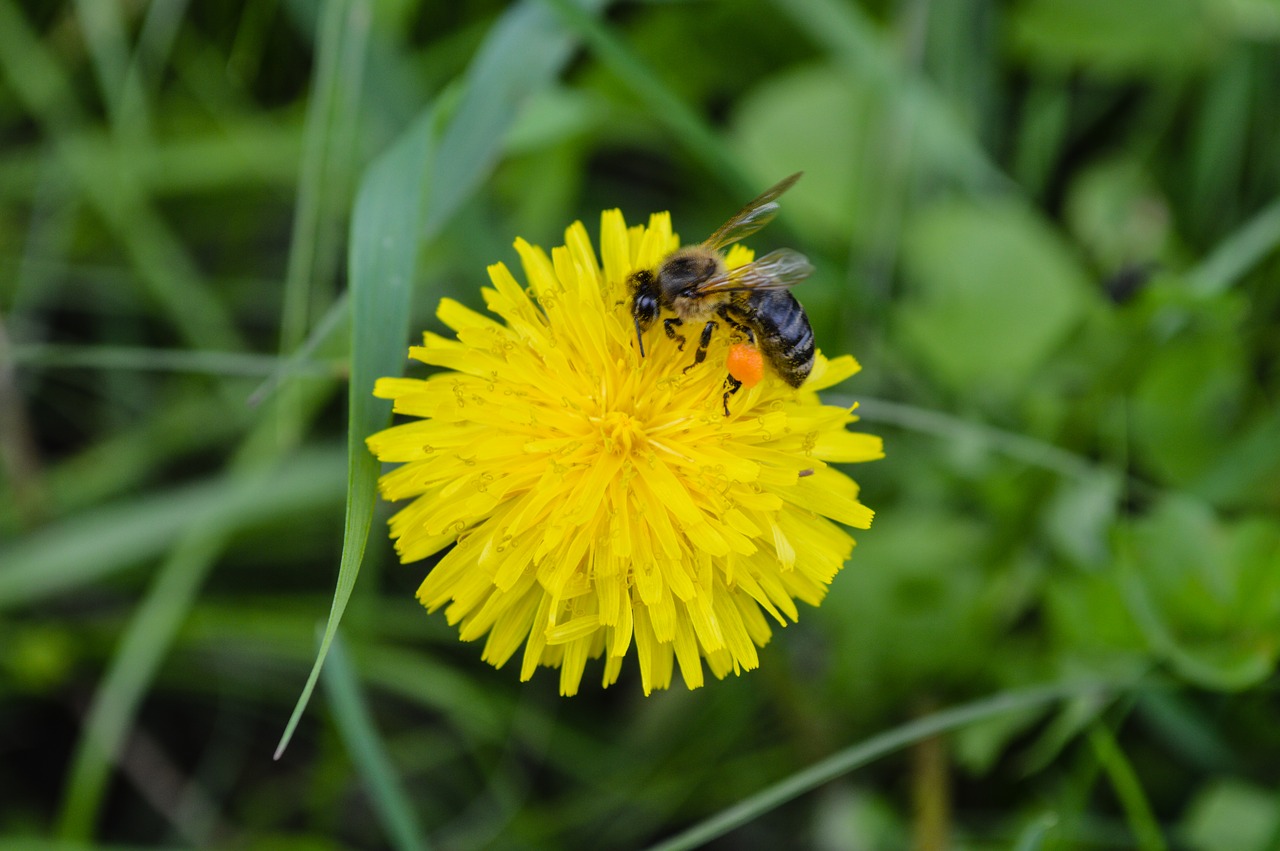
(588, 500)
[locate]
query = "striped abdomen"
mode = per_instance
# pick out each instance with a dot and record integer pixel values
(782, 333)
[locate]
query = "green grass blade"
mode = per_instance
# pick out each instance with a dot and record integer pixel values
(1033, 836)
(845, 30)
(104, 33)
(271, 633)
(334, 319)
(1124, 780)
(1238, 253)
(143, 647)
(329, 143)
(384, 251)
(123, 461)
(662, 103)
(355, 724)
(1029, 450)
(868, 751)
(435, 684)
(138, 359)
(151, 631)
(521, 54)
(161, 260)
(96, 543)
(19, 463)
(329, 146)
(244, 153)
(523, 51)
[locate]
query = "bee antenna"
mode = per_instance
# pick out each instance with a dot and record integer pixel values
(639, 337)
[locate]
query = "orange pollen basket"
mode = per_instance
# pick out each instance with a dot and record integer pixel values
(746, 364)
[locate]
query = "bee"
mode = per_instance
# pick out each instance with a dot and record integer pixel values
(694, 284)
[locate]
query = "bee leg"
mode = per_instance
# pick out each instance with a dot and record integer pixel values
(669, 325)
(701, 354)
(744, 330)
(732, 385)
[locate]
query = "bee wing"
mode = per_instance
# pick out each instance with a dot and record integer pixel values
(751, 218)
(777, 270)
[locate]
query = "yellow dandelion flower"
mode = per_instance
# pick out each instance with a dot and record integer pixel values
(590, 498)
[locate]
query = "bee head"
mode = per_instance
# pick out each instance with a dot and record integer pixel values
(683, 271)
(644, 298)
(644, 303)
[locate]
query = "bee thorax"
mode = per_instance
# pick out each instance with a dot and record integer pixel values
(694, 309)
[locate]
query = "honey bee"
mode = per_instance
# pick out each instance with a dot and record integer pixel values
(694, 284)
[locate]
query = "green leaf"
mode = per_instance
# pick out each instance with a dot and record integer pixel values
(841, 152)
(1087, 618)
(1186, 406)
(918, 616)
(995, 292)
(869, 56)
(1116, 37)
(1245, 468)
(1118, 214)
(1206, 593)
(1080, 517)
(1231, 814)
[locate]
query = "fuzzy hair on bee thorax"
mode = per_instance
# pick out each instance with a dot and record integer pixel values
(680, 277)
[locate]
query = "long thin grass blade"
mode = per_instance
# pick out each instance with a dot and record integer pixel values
(139, 359)
(663, 104)
(383, 261)
(409, 194)
(1128, 788)
(163, 263)
(1238, 253)
(329, 144)
(1034, 835)
(151, 630)
(870, 750)
(133, 666)
(355, 724)
(94, 544)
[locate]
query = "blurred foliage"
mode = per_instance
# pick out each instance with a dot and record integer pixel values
(1047, 228)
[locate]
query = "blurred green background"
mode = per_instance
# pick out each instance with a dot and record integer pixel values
(1047, 228)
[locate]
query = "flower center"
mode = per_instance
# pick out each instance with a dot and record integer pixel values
(620, 432)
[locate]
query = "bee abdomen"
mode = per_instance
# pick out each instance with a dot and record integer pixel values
(786, 339)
